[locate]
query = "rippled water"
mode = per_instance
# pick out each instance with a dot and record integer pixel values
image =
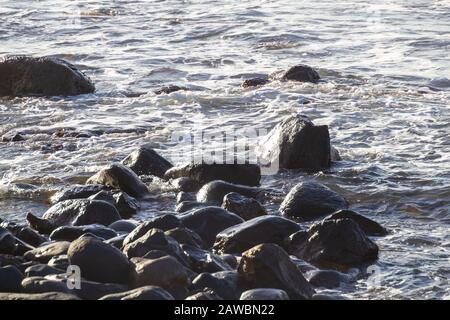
(385, 97)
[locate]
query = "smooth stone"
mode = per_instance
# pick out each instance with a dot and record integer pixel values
(59, 262)
(329, 279)
(142, 293)
(42, 270)
(185, 184)
(269, 266)
(370, 227)
(335, 244)
(310, 200)
(246, 208)
(117, 176)
(186, 206)
(43, 76)
(264, 294)
(266, 229)
(225, 284)
(70, 233)
(99, 261)
(231, 260)
(185, 196)
(206, 294)
(44, 253)
(126, 205)
(38, 296)
(301, 73)
(30, 236)
(208, 222)
(78, 191)
(185, 236)
(7, 242)
(204, 261)
(296, 143)
(123, 226)
(245, 174)
(16, 261)
(146, 161)
(214, 192)
(254, 82)
(10, 279)
(117, 242)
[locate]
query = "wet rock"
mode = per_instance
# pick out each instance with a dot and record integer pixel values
(165, 272)
(334, 154)
(142, 293)
(185, 184)
(204, 261)
(146, 161)
(266, 229)
(42, 285)
(310, 200)
(301, 73)
(245, 174)
(246, 208)
(264, 294)
(335, 244)
(77, 192)
(269, 266)
(185, 196)
(214, 192)
(70, 233)
(225, 284)
(185, 236)
(169, 89)
(45, 76)
(208, 222)
(206, 294)
(329, 279)
(370, 227)
(117, 176)
(28, 235)
(59, 262)
(38, 296)
(10, 279)
(42, 270)
(18, 262)
(126, 205)
(7, 242)
(117, 242)
(254, 82)
(123, 226)
(44, 253)
(230, 259)
(186, 206)
(296, 143)
(12, 136)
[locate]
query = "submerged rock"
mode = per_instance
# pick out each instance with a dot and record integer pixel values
(169, 89)
(301, 73)
(264, 294)
(214, 191)
(370, 227)
(269, 266)
(146, 161)
(117, 176)
(296, 143)
(142, 293)
(310, 200)
(267, 229)
(245, 174)
(254, 82)
(12, 136)
(76, 192)
(70, 233)
(45, 76)
(246, 208)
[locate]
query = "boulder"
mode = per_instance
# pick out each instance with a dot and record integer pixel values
(301, 73)
(18, 262)
(70, 233)
(7, 242)
(208, 222)
(117, 242)
(59, 262)
(310, 200)
(38, 296)
(225, 284)
(44, 253)
(336, 244)
(123, 226)
(214, 192)
(185, 184)
(264, 294)
(45, 76)
(185, 196)
(126, 205)
(204, 261)
(146, 161)
(328, 279)
(99, 261)
(10, 279)
(269, 266)
(28, 235)
(266, 229)
(142, 293)
(246, 208)
(42, 270)
(117, 176)
(245, 174)
(370, 227)
(254, 82)
(78, 191)
(186, 206)
(296, 143)
(185, 236)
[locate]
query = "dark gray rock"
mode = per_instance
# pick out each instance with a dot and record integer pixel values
(185, 196)
(77, 192)
(206, 294)
(208, 222)
(204, 261)
(225, 284)
(301, 73)
(70, 233)
(370, 227)
(185, 184)
(117, 176)
(185, 236)
(246, 208)
(123, 226)
(269, 266)
(142, 293)
(59, 262)
(42, 270)
(214, 192)
(266, 229)
(117, 242)
(296, 143)
(245, 174)
(44, 253)
(310, 200)
(99, 261)
(329, 279)
(28, 235)
(7, 242)
(186, 206)
(264, 294)
(18, 262)
(146, 161)
(45, 76)
(10, 279)
(126, 205)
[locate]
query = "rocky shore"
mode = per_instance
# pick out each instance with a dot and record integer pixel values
(219, 242)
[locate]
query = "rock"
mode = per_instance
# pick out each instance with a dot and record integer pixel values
(18, 262)
(246, 208)
(254, 82)
(301, 73)
(42, 285)
(204, 261)
(45, 76)
(186, 206)
(146, 161)
(76, 212)
(310, 200)
(269, 266)
(38, 296)
(329, 279)
(164, 222)
(165, 272)
(370, 227)
(266, 229)
(76, 192)
(334, 154)
(10, 279)
(185, 236)
(296, 143)
(169, 89)
(185, 196)
(225, 284)
(142, 293)
(185, 184)
(59, 262)
(206, 294)
(123, 226)
(12, 136)
(7, 242)
(117, 242)
(230, 259)
(30, 236)
(264, 294)
(42, 270)
(208, 222)
(117, 176)
(70, 233)
(245, 174)
(335, 244)
(99, 261)
(126, 205)
(44, 253)
(214, 192)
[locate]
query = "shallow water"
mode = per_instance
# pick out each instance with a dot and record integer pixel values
(385, 97)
